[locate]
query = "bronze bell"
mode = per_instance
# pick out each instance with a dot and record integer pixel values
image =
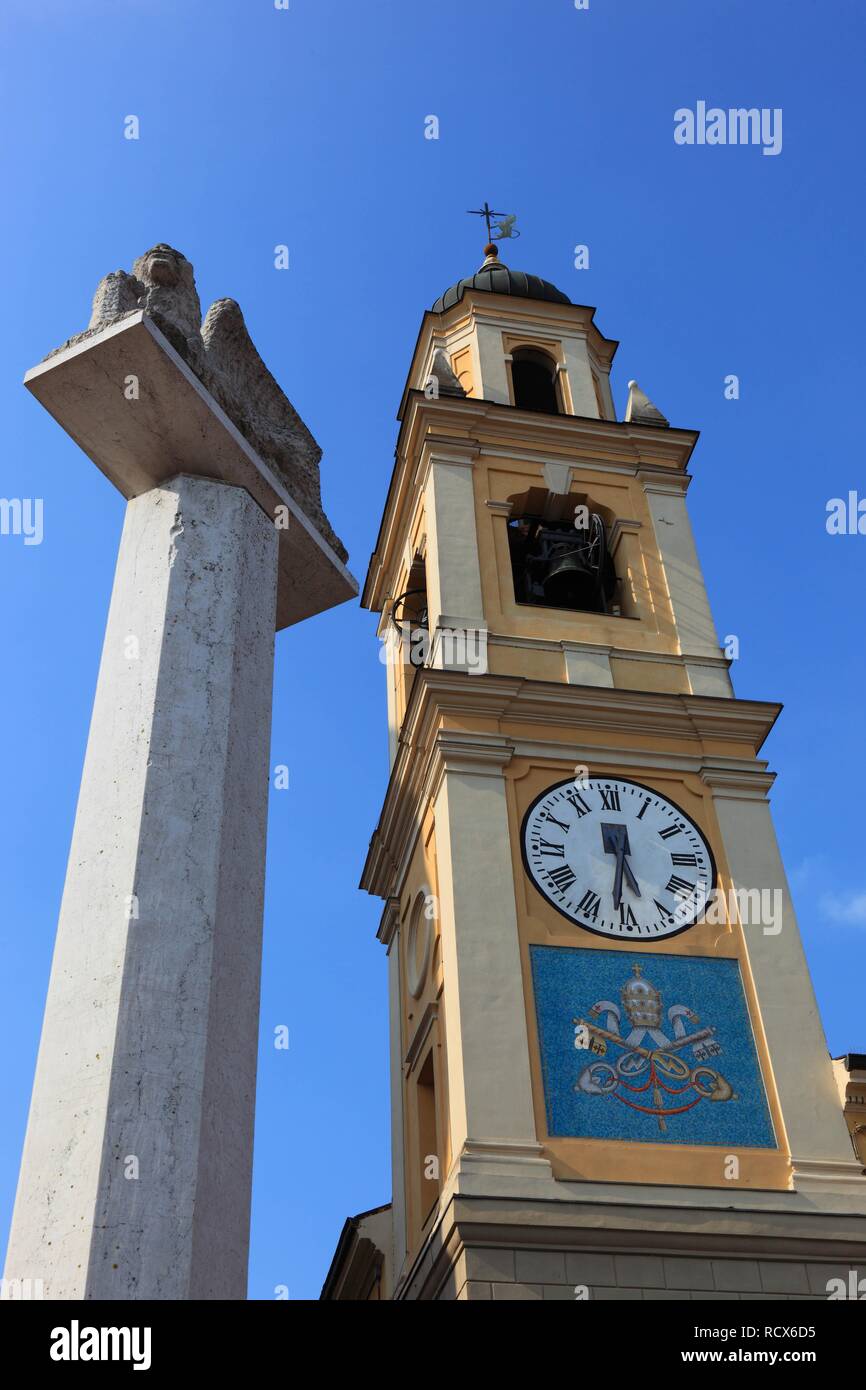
(559, 565)
(569, 581)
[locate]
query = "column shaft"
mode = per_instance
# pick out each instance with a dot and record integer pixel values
(135, 1179)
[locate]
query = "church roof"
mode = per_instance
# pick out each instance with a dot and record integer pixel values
(496, 278)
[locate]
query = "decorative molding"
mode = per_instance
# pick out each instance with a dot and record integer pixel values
(419, 1037)
(622, 526)
(557, 478)
(593, 648)
(389, 925)
(587, 664)
(483, 754)
(825, 1173)
(416, 975)
(500, 508)
(426, 751)
(668, 486)
(524, 1162)
(738, 784)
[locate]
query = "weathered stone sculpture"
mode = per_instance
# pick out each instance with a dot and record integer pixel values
(221, 353)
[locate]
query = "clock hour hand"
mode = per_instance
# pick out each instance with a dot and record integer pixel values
(615, 841)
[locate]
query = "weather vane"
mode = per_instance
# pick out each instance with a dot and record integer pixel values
(504, 227)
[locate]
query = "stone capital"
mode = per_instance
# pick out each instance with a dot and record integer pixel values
(484, 755)
(82, 386)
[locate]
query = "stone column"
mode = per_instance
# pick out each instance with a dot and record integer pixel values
(135, 1180)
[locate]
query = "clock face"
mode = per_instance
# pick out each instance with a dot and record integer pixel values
(617, 858)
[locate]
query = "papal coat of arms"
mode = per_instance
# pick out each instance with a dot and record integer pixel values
(665, 1048)
(649, 1071)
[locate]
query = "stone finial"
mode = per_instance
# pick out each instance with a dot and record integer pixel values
(641, 410)
(223, 356)
(449, 384)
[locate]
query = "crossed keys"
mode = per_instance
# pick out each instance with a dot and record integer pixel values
(600, 1078)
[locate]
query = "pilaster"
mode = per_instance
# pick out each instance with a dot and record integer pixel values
(820, 1145)
(485, 1019)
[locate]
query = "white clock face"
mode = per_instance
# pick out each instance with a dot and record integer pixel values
(617, 858)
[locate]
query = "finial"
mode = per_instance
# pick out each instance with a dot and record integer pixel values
(641, 410)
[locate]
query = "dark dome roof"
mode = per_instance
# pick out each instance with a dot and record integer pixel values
(496, 278)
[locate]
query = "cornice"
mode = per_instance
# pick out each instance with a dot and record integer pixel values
(738, 784)
(426, 751)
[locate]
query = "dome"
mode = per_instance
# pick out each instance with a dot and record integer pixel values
(496, 278)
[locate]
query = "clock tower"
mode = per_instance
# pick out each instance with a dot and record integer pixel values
(609, 1077)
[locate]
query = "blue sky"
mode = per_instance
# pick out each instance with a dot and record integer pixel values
(306, 127)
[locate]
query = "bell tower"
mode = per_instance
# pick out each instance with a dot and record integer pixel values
(609, 1077)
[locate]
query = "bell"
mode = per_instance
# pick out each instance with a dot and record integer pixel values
(570, 583)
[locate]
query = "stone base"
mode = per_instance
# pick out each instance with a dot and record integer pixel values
(490, 1248)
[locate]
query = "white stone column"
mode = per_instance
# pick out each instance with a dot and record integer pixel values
(136, 1174)
(821, 1149)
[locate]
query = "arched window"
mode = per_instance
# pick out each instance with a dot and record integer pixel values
(533, 375)
(559, 552)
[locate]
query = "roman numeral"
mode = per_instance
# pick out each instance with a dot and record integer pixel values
(669, 831)
(578, 803)
(626, 917)
(589, 904)
(679, 885)
(684, 859)
(663, 911)
(563, 878)
(545, 847)
(610, 799)
(643, 808)
(563, 825)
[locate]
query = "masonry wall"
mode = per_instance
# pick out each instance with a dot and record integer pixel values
(531, 1275)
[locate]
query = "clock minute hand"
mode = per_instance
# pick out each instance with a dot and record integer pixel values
(615, 841)
(630, 878)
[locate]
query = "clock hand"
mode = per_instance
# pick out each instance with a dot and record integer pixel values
(631, 880)
(614, 838)
(617, 878)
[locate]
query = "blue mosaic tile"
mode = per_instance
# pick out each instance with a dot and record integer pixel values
(648, 1048)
